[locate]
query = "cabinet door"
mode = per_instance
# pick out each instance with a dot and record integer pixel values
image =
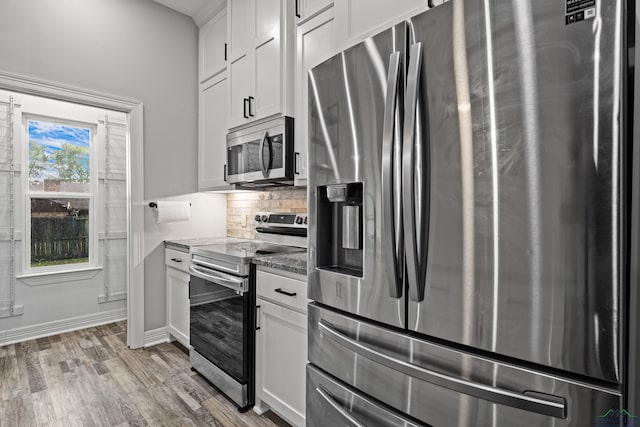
(239, 90)
(212, 148)
(267, 80)
(358, 19)
(316, 43)
(178, 305)
(281, 358)
(241, 31)
(213, 37)
(267, 76)
(309, 8)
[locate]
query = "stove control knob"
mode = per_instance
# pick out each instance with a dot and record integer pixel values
(305, 220)
(265, 218)
(257, 218)
(298, 220)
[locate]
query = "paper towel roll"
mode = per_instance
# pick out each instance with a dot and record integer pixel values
(167, 211)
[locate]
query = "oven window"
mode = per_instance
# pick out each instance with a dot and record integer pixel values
(219, 326)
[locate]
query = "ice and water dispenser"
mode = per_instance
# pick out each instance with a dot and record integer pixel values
(339, 239)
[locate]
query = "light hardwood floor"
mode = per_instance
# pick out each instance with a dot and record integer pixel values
(91, 378)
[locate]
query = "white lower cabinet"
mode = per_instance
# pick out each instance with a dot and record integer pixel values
(281, 346)
(177, 264)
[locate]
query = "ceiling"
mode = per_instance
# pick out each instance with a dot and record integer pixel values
(200, 10)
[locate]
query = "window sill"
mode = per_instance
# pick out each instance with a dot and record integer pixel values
(50, 277)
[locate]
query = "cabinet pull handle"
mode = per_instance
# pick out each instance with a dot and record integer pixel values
(257, 317)
(224, 173)
(289, 294)
(176, 260)
(298, 8)
(244, 107)
(295, 163)
(250, 103)
(225, 51)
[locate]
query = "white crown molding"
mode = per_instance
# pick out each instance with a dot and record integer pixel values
(27, 333)
(211, 9)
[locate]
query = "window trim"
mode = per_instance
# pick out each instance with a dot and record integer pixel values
(92, 195)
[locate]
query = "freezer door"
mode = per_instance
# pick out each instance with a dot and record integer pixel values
(521, 140)
(332, 403)
(355, 246)
(441, 386)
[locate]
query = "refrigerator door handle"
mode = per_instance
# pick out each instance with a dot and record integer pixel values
(389, 179)
(339, 409)
(416, 290)
(554, 406)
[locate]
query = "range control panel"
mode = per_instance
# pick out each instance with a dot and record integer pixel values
(276, 220)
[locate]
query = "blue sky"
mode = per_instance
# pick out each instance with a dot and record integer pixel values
(53, 135)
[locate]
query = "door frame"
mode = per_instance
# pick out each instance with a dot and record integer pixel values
(135, 184)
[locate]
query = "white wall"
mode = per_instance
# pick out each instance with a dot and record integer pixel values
(135, 49)
(208, 219)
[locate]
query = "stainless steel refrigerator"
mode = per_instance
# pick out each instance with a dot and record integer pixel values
(467, 208)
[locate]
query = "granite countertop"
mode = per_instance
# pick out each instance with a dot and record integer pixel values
(185, 244)
(295, 262)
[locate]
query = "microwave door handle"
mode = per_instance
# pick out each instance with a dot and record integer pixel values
(218, 278)
(265, 168)
(389, 179)
(416, 290)
(554, 406)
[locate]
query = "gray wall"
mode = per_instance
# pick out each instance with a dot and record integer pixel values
(130, 48)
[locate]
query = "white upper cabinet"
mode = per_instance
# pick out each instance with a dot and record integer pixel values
(212, 150)
(358, 19)
(213, 102)
(306, 9)
(316, 43)
(212, 55)
(241, 34)
(262, 45)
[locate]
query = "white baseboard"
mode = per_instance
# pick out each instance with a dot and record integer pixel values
(156, 336)
(41, 330)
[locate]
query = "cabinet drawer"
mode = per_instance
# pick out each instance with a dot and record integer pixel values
(285, 290)
(177, 259)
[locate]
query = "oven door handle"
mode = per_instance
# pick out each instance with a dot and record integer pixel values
(218, 278)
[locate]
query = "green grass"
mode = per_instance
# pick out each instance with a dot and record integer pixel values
(47, 263)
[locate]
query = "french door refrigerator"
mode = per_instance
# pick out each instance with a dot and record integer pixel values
(467, 226)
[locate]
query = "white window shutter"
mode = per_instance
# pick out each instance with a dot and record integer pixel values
(7, 208)
(115, 208)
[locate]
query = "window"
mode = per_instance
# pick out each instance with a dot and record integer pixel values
(60, 193)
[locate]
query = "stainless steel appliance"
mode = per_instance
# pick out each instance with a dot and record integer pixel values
(223, 303)
(262, 154)
(467, 205)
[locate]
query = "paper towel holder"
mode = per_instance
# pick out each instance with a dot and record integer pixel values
(155, 205)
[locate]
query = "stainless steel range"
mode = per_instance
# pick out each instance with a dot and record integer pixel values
(222, 302)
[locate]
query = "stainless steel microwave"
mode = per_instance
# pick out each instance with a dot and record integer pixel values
(262, 154)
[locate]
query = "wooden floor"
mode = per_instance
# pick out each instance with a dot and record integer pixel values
(91, 378)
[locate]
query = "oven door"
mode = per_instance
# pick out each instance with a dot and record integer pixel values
(220, 320)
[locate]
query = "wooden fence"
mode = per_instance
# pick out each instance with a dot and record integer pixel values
(59, 238)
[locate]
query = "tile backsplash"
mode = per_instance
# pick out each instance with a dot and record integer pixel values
(242, 207)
